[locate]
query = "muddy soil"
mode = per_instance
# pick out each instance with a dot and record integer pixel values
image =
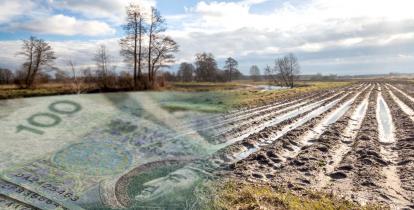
(349, 157)
(256, 140)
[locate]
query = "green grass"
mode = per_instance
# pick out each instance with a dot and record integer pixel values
(218, 97)
(204, 97)
(243, 98)
(11, 91)
(185, 106)
(203, 86)
(240, 195)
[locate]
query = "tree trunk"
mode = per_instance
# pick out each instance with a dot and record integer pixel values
(29, 71)
(140, 49)
(35, 70)
(230, 72)
(150, 45)
(149, 55)
(135, 51)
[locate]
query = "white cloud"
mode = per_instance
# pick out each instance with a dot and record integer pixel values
(113, 10)
(64, 25)
(309, 27)
(334, 32)
(11, 9)
(86, 17)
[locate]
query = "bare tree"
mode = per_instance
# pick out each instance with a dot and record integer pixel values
(6, 76)
(76, 79)
(230, 67)
(186, 71)
(156, 26)
(38, 54)
(255, 73)
(104, 68)
(163, 50)
(288, 69)
(132, 44)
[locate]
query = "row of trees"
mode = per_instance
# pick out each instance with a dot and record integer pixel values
(145, 48)
(285, 71)
(206, 70)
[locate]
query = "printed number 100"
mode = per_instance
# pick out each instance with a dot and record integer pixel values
(53, 117)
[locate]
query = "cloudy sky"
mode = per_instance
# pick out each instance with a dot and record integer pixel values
(329, 36)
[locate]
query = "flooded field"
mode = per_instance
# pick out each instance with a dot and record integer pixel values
(158, 150)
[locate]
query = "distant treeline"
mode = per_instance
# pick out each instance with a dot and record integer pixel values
(206, 70)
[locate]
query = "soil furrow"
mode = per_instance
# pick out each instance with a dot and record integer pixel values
(228, 126)
(345, 132)
(257, 111)
(211, 129)
(261, 119)
(263, 164)
(403, 162)
(243, 145)
(409, 100)
(392, 184)
(366, 171)
(265, 129)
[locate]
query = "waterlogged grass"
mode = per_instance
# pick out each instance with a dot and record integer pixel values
(243, 98)
(219, 99)
(237, 195)
(204, 86)
(208, 101)
(185, 106)
(203, 97)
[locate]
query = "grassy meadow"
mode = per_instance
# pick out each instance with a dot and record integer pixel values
(206, 97)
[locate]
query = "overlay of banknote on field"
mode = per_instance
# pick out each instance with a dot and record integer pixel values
(108, 151)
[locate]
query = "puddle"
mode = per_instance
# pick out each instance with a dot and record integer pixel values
(303, 120)
(245, 154)
(224, 124)
(407, 110)
(327, 121)
(402, 92)
(270, 87)
(384, 118)
(356, 122)
(317, 131)
(246, 121)
(277, 120)
(230, 118)
(350, 133)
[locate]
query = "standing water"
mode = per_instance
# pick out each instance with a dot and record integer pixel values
(385, 125)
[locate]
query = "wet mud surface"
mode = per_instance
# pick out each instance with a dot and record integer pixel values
(357, 143)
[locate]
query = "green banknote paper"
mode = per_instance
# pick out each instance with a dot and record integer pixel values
(102, 151)
(7, 203)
